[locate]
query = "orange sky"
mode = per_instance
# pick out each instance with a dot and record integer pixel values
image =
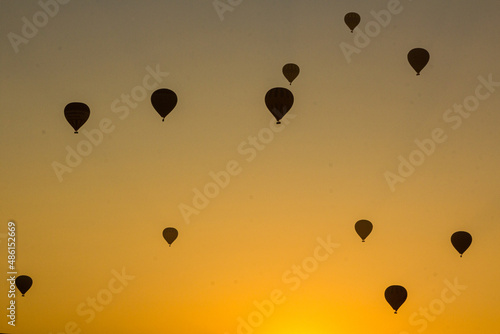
(272, 249)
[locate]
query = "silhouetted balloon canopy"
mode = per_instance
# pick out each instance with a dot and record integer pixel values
(76, 114)
(395, 296)
(24, 283)
(352, 20)
(170, 234)
(291, 71)
(418, 58)
(461, 241)
(164, 101)
(363, 228)
(279, 100)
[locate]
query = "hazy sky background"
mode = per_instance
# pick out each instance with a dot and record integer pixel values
(325, 169)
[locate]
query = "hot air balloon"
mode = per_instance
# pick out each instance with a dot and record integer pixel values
(24, 283)
(76, 114)
(352, 20)
(279, 100)
(291, 71)
(363, 228)
(461, 241)
(418, 58)
(170, 234)
(164, 101)
(395, 296)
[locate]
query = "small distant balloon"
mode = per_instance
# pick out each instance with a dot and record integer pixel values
(418, 58)
(279, 101)
(395, 296)
(291, 71)
(352, 20)
(23, 283)
(170, 234)
(363, 228)
(461, 241)
(164, 101)
(76, 113)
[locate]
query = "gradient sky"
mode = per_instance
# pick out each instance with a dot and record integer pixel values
(352, 122)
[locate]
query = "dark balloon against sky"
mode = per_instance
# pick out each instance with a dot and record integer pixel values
(266, 212)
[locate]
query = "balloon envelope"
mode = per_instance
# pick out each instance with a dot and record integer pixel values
(76, 113)
(352, 20)
(291, 71)
(418, 58)
(164, 101)
(461, 241)
(279, 100)
(363, 228)
(395, 296)
(170, 234)
(24, 283)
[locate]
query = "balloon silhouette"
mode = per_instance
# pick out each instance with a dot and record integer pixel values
(279, 101)
(164, 101)
(76, 114)
(461, 241)
(170, 234)
(24, 283)
(291, 71)
(352, 20)
(363, 228)
(418, 58)
(395, 296)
